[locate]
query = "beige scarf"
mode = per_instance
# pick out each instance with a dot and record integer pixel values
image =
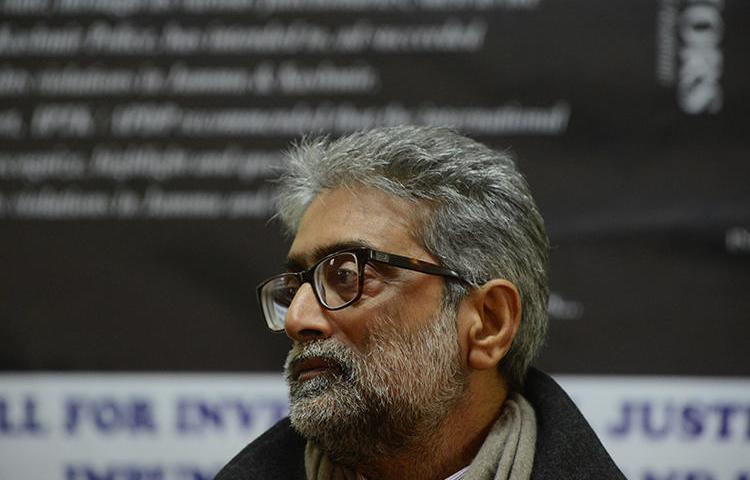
(506, 454)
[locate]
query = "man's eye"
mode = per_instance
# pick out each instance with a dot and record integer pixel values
(285, 292)
(289, 293)
(345, 276)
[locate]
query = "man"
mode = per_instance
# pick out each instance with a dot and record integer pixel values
(415, 300)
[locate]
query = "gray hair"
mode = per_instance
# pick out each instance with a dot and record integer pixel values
(480, 218)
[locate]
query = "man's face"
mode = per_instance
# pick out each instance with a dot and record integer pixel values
(372, 375)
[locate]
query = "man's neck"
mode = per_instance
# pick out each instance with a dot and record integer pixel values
(441, 452)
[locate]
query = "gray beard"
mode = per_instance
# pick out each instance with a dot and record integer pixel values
(393, 396)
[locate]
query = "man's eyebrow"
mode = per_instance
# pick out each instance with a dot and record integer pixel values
(298, 262)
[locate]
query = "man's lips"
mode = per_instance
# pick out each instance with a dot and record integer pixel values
(310, 368)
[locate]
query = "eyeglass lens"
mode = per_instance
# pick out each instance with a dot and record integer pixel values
(336, 281)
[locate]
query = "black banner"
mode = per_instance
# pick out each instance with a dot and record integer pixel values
(137, 139)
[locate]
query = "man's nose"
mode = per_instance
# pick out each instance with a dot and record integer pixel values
(305, 318)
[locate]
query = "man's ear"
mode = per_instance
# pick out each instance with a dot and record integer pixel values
(493, 324)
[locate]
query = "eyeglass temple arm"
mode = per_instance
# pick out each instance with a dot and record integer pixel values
(412, 264)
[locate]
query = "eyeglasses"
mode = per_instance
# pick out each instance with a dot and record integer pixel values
(336, 281)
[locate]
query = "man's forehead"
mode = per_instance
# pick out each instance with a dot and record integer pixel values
(303, 259)
(349, 217)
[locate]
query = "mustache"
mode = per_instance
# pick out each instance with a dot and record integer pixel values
(329, 350)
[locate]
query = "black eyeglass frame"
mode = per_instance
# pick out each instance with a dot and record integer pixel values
(364, 255)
